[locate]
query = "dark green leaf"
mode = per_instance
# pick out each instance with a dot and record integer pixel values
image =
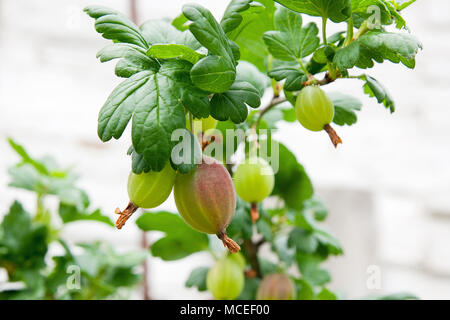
(233, 103)
(375, 89)
(133, 59)
(336, 10)
(217, 72)
(156, 101)
(292, 41)
(347, 57)
(23, 245)
(232, 17)
(395, 47)
(291, 72)
(115, 26)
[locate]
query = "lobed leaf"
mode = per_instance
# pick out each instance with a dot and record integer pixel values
(344, 108)
(336, 10)
(233, 103)
(115, 26)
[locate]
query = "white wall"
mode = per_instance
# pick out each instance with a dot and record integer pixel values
(392, 170)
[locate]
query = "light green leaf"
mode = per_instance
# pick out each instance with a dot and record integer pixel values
(180, 22)
(303, 241)
(172, 51)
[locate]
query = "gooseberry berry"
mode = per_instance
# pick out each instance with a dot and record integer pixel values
(147, 190)
(315, 111)
(225, 280)
(206, 199)
(276, 286)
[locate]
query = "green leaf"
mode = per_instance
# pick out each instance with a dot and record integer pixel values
(162, 32)
(292, 41)
(248, 35)
(309, 267)
(26, 158)
(179, 241)
(249, 73)
(233, 103)
(329, 242)
(133, 59)
(156, 101)
(292, 184)
(336, 10)
(347, 57)
(326, 294)
(291, 72)
(70, 213)
(197, 278)
(304, 241)
(192, 158)
(305, 290)
(241, 225)
(213, 73)
(23, 245)
(344, 108)
(395, 47)
(180, 22)
(29, 175)
(174, 51)
(250, 288)
(395, 296)
(315, 207)
(375, 89)
(361, 8)
(216, 72)
(138, 163)
(264, 228)
(232, 17)
(115, 26)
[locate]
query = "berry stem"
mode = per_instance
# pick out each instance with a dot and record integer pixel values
(125, 214)
(228, 243)
(335, 139)
(254, 213)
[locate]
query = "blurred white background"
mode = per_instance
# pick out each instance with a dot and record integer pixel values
(387, 186)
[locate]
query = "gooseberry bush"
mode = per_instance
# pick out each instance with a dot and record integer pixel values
(199, 82)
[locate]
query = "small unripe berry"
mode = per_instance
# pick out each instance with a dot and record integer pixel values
(254, 180)
(225, 280)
